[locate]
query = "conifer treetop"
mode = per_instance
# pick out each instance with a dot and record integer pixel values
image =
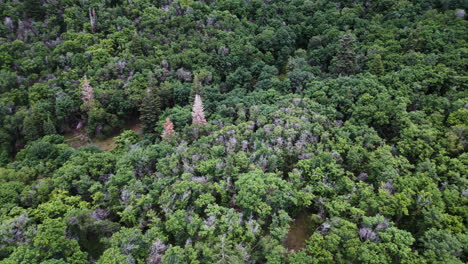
(168, 128)
(87, 92)
(198, 114)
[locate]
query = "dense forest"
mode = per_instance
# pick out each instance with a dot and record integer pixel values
(292, 131)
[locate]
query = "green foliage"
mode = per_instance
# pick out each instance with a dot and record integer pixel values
(344, 63)
(101, 123)
(150, 108)
(51, 242)
(350, 113)
(127, 137)
(112, 255)
(262, 193)
(443, 246)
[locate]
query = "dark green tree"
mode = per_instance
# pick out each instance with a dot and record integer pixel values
(34, 9)
(375, 64)
(344, 62)
(150, 107)
(48, 127)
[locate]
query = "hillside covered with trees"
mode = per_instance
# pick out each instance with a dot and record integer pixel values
(292, 131)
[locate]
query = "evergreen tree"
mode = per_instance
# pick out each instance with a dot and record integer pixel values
(197, 88)
(344, 63)
(136, 46)
(168, 128)
(150, 108)
(33, 9)
(198, 114)
(48, 127)
(375, 64)
(33, 126)
(87, 93)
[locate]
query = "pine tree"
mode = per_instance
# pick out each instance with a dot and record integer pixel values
(136, 47)
(87, 93)
(168, 128)
(33, 125)
(198, 115)
(344, 62)
(33, 9)
(48, 127)
(150, 108)
(197, 88)
(375, 64)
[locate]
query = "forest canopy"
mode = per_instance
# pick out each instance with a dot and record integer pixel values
(258, 131)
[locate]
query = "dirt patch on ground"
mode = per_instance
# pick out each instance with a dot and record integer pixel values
(133, 124)
(78, 138)
(300, 230)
